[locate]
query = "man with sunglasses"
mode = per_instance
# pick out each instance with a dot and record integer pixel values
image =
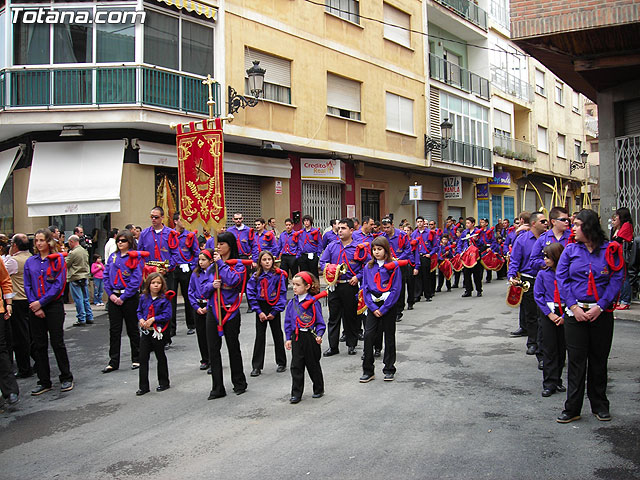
(559, 233)
(520, 264)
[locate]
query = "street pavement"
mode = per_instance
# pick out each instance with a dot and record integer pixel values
(466, 404)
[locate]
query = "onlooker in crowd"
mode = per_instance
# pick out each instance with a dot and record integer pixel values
(21, 335)
(97, 270)
(8, 384)
(110, 246)
(622, 232)
(77, 275)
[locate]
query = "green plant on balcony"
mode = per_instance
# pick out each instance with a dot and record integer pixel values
(520, 156)
(498, 150)
(530, 158)
(510, 154)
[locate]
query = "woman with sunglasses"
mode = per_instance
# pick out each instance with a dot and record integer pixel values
(122, 280)
(589, 275)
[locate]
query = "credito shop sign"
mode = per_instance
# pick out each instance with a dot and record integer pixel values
(320, 169)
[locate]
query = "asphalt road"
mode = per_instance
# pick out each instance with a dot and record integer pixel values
(466, 404)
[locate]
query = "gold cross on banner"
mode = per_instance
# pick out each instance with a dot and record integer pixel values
(203, 175)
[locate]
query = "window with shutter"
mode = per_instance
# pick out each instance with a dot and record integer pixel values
(397, 25)
(562, 146)
(543, 143)
(343, 97)
(540, 82)
(277, 79)
(399, 113)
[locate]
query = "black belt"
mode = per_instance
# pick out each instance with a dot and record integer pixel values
(118, 292)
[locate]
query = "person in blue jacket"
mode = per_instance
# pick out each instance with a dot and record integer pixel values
(267, 297)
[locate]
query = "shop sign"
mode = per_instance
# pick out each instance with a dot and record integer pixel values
(321, 169)
(278, 187)
(415, 192)
(482, 191)
(501, 179)
(351, 211)
(452, 187)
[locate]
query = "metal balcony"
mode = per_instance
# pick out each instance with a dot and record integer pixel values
(142, 85)
(511, 84)
(451, 74)
(594, 173)
(509, 147)
(467, 155)
(500, 14)
(467, 10)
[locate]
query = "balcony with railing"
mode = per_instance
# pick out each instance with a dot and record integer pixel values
(466, 155)
(509, 147)
(594, 173)
(499, 11)
(467, 10)
(511, 84)
(591, 127)
(99, 86)
(451, 74)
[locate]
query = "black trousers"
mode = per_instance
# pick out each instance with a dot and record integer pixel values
(8, 384)
(257, 361)
(127, 314)
(231, 331)
(305, 352)
(425, 281)
(411, 285)
(530, 314)
(476, 274)
(343, 304)
(181, 279)
(489, 275)
(456, 278)
(201, 334)
(442, 280)
(149, 344)
(52, 326)
(375, 327)
(21, 336)
(588, 347)
(289, 263)
(554, 352)
(405, 272)
(308, 265)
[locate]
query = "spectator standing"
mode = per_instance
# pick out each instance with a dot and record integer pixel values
(97, 270)
(21, 342)
(77, 275)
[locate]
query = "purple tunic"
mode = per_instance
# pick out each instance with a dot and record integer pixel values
(295, 310)
(372, 287)
(275, 292)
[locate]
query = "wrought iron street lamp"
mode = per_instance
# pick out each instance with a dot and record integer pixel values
(431, 143)
(576, 164)
(256, 86)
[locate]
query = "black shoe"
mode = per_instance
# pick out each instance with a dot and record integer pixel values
(343, 338)
(281, 368)
(23, 374)
(438, 290)
(89, 322)
(13, 398)
(399, 317)
(448, 289)
(410, 307)
(466, 294)
(255, 372)
(80, 324)
(39, 390)
(520, 332)
(455, 286)
(167, 346)
(429, 299)
(209, 371)
(531, 350)
(547, 392)
(488, 280)
(389, 377)
(239, 391)
(479, 294)
(540, 365)
(330, 353)
(109, 369)
(376, 353)
(135, 365)
(141, 392)
(567, 418)
(366, 378)
(249, 310)
(213, 396)
(602, 416)
(351, 351)
(162, 388)
(204, 366)
(317, 395)
(561, 388)
(294, 400)
(66, 386)
(191, 331)
(361, 336)
(362, 357)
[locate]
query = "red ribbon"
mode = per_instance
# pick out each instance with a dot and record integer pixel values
(264, 283)
(217, 294)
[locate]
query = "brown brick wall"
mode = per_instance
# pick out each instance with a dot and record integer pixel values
(541, 17)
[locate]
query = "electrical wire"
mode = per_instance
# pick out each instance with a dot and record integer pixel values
(418, 32)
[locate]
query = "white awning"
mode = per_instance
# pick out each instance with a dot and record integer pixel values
(75, 178)
(157, 154)
(260, 166)
(6, 163)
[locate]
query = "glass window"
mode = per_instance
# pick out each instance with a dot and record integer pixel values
(401, 33)
(399, 113)
(543, 142)
(483, 208)
(470, 120)
(343, 97)
(509, 208)
(576, 102)
(161, 40)
(594, 147)
(72, 43)
(197, 48)
(539, 82)
(31, 42)
(559, 93)
(577, 146)
(496, 209)
(115, 42)
(347, 9)
(6, 206)
(562, 148)
(277, 79)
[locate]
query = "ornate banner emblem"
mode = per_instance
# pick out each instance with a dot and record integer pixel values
(200, 174)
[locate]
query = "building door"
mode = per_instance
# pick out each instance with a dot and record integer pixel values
(496, 209)
(370, 203)
(242, 195)
(323, 201)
